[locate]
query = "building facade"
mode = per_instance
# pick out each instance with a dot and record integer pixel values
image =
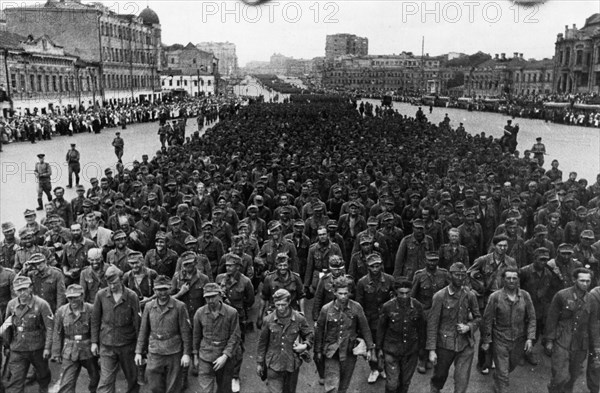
(125, 48)
(226, 53)
(38, 76)
(577, 58)
(345, 44)
(189, 69)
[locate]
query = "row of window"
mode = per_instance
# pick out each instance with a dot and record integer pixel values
(581, 58)
(114, 81)
(49, 83)
(124, 32)
(126, 55)
(185, 82)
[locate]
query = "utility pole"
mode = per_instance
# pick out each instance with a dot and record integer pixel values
(422, 84)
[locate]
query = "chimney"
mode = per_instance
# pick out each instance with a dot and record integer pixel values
(503, 56)
(496, 56)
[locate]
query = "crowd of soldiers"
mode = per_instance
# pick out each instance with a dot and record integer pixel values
(384, 237)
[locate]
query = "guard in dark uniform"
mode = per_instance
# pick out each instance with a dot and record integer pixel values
(119, 145)
(72, 159)
(43, 173)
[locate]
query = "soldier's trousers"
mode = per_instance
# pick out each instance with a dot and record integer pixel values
(399, 371)
(19, 364)
(462, 368)
(566, 367)
(592, 375)
(208, 378)
(70, 374)
(110, 360)
(164, 373)
(282, 381)
(338, 373)
(507, 356)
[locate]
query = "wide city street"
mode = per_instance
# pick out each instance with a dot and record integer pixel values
(575, 147)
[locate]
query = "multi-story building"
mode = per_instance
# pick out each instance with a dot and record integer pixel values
(280, 65)
(494, 77)
(345, 44)
(577, 58)
(125, 48)
(533, 77)
(401, 74)
(189, 69)
(225, 52)
(38, 76)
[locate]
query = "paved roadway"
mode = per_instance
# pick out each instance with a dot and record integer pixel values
(575, 147)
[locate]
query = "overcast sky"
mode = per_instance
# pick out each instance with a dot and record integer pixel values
(298, 28)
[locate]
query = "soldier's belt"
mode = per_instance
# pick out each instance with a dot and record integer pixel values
(22, 329)
(156, 336)
(78, 337)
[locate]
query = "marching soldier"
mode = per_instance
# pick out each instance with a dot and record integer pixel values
(93, 277)
(9, 245)
(215, 339)
(43, 173)
(71, 343)
(72, 159)
(119, 145)
(166, 336)
(318, 259)
(47, 281)
(284, 338)
(400, 334)
(28, 329)
(239, 294)
(74, 257)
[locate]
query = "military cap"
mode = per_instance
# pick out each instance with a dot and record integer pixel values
(587, 234)
(252, 207)
(187, 198)
(212, 289)
(430, 255)
(515, 198)
(137, 183)
(415, 195)
(7, 226)
(569, 198)
(458, 267)
(469, 191)
(352, 203)
(554, 215)
(87, 203)
(366, 239)
(119, 235)
(108, 170)
(459, 204)
(446, 195)
(182, 207)
(337, 189)
(237, 240)
(387, 216)
(362, 188)
(332, 224)
(162, 282)
(582, 209)
(41, 155)
(171, 182)
(374, 258)
(80, 187)
(113, 274)
(539, 229)
(21, 282)
(94, 180)
(257, 199)
(353, 191)
(418, 223)
(36, 258)
(74, 290)
(135, 256)
(144, 209)
(160, 235)
(188, 257)
(191, 240)
(28, 213)
(94, 253)
(553, 198)
(336, 261)
(511, 221)
(152, 196)
(207, 224)
(217, 210)
(542, 252)
(317, 207)
(285, 210)
(469, 212)
(372, 221)
(282, 257)
(281, 294)
(25, 232)
(273, 225)
(120, 203)
(242, 225)
(174, 220)
(565, 247)
(299, 223)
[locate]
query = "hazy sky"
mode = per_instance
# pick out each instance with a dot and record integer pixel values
(298, 27)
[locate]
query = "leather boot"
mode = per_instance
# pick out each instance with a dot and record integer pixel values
(40, 204)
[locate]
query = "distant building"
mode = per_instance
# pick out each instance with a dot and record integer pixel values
(225, 52)
(124, 48)
(577, 58)
(345, 44)
(280, 65)
(188, 69)
(38, 76)
(494, 77)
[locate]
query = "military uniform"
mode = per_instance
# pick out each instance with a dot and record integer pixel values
(49, 285)
(165, 335)
(410, 256)
(194, 298)
(72, 342)
(75, 258)
(271, 249)
(119, 258)
(32, 326)
(164, 263)
(23, 254)
(92, 282)
(213, 249)
(8, 251)
(318, 262)
(293, 285)
(324, 292)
